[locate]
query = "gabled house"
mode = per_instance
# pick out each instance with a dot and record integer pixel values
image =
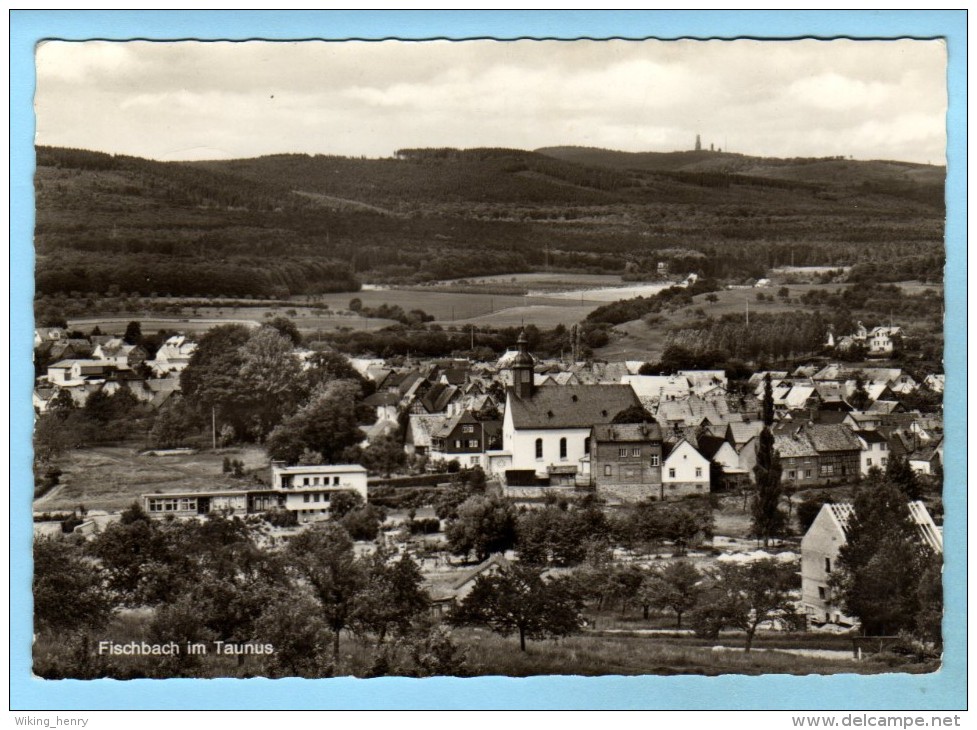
(626, 461)
(821, 545)
(875, 450)
(420, 429)
(463, 438)
(686, 472)
(798, 457)
(384, 403)
(839, 451)
(116, 352)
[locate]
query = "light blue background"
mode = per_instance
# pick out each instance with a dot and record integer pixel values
(944, 690)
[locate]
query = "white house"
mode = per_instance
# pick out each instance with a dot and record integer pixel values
(547, 429)
(935, 382)
(819, 556)
(173, 356)
(657, 388)
(308, 489)
(74, 372)
(875, 450)
(883, 340)
(685, 471)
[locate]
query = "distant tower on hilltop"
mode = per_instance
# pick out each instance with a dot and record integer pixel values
(698, 143)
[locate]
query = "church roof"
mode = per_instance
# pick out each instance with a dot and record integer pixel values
(571, 406)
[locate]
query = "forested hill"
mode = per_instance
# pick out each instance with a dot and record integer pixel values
(298, 224)
(904, 179)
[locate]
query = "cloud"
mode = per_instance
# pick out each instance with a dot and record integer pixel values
(781, 98)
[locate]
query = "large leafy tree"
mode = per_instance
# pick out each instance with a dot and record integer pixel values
(326, 424)
(212, 378)
(484, 525)
(745, 595)
(323, 557)
(674, 587)
(517, 599)
(270, 377)
(884, 563)
(69, 592)
(393, 597)
(899, 473)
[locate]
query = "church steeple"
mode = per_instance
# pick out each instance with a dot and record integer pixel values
(522, 369)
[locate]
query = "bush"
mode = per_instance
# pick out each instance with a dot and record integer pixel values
(281, 518)
(425, 526)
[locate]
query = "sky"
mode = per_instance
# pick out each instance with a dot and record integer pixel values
(219, 100)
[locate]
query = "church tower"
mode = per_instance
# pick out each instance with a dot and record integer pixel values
(698, 143)
(522, 369)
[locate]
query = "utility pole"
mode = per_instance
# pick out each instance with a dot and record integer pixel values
(747, 312)
(213, 425)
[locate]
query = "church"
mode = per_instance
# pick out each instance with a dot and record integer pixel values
(547, 428)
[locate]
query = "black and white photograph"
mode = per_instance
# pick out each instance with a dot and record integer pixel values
(488, 358)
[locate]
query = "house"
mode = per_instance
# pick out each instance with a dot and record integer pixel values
(719, 451)
(883, 341)
(196, 504)
(935, 382)
(76, 372)
(384, 404)
(307, 489)
(927, 459)
(685, 472)
(548, 428)
(436, 399)
(875, 450)
(420, 430)
(798, 457)
(48, 334)
(839, 451)
(819, 556)
(173, 356)
(463, 438)
(123, 356)
(626, 461)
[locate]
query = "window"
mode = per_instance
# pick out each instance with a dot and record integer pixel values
(827, 565)
(586, 445)
(457, 443)
(698, 471)
(315, 497)
(791, 474)
(883, 446)
(883, 460)
(671, 473)
(563, 448)
(468, 429)
(636, 452)
(473, 460)
(305, 497)
(656, 460)
(539, 448)
(335, 481)
(608, 470)
(315, 481)
(822, 593)
(473, 443)
(868, 461)
(305, 481)
(622, 453)
(827, 470)
(807, 473)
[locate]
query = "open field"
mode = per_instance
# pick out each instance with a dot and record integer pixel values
(200, 319)
(637, 340)
(487, 654)
(111, 477)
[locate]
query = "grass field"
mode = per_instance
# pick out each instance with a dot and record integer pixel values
(487, 654)
(638, 340)
(111, 477)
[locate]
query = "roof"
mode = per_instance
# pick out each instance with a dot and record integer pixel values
(571, 406)
(422, 426)
(833, 437)
(495, 559)
(322, 469)
(658, 386)
(871, 437)
(743, 431)
(842, 514)
(710, 445)
(382, 398)
(627, 432)
(793, 443)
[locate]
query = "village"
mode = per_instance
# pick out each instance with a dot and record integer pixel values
(470, 468)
